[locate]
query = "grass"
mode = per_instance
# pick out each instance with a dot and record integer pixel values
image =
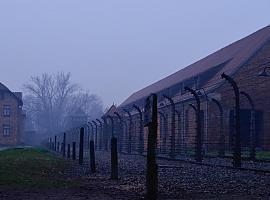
(260, 155)
(31, 167)
(263, 155)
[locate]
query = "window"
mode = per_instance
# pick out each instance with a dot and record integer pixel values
(6, 110)
(6, 130)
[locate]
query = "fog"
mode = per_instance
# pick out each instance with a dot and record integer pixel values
(113, 48)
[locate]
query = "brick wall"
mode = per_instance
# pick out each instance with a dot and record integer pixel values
(257, 87)
(14, 120)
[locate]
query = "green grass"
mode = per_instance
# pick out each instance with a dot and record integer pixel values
(31, 167)
(263, 155)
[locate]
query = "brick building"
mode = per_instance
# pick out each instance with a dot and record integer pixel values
(11, 117)
(243, 60)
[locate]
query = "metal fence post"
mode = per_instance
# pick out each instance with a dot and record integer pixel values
(92, 156)
(129, 131)
(114, 156)
(81, 146)
(64, 145)
(96, 133)
(92, 149)
(55, 141)
(179, 141)
(58, 147)
(121, 131)
(151, 123)
(198, 149)
(105, 133)
(237, 135)
(100, 134)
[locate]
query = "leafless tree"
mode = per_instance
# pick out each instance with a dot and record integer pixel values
(51, 99)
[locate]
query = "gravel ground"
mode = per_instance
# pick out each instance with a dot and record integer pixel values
(179, 180)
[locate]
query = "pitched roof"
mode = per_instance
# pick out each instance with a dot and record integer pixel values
(111, 111)
(236, 53)
(3, 88)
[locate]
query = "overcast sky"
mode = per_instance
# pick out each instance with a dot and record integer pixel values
(116, 47)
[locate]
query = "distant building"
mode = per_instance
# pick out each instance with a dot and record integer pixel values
(11, 116)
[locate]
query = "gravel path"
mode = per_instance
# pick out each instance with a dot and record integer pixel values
(177, 180)
(185, 181)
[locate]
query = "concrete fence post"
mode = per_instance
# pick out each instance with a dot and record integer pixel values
(73, 150)
(64, 145)
(152, 124)
(198, 146)
(237, 134)
(81, 146)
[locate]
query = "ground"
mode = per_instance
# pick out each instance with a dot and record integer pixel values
(38, 174)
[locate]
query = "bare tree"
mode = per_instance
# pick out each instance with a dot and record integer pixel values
(50, 99)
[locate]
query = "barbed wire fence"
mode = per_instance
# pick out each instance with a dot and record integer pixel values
(200, 127)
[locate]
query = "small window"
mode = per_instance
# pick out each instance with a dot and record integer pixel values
(6, 111)
(6, 130)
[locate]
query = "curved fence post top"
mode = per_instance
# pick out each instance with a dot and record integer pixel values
(169, 99)
(218, 104)
(129, 114)
(248, 98)
(118, 115)
(138, 109)
(192, 106)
